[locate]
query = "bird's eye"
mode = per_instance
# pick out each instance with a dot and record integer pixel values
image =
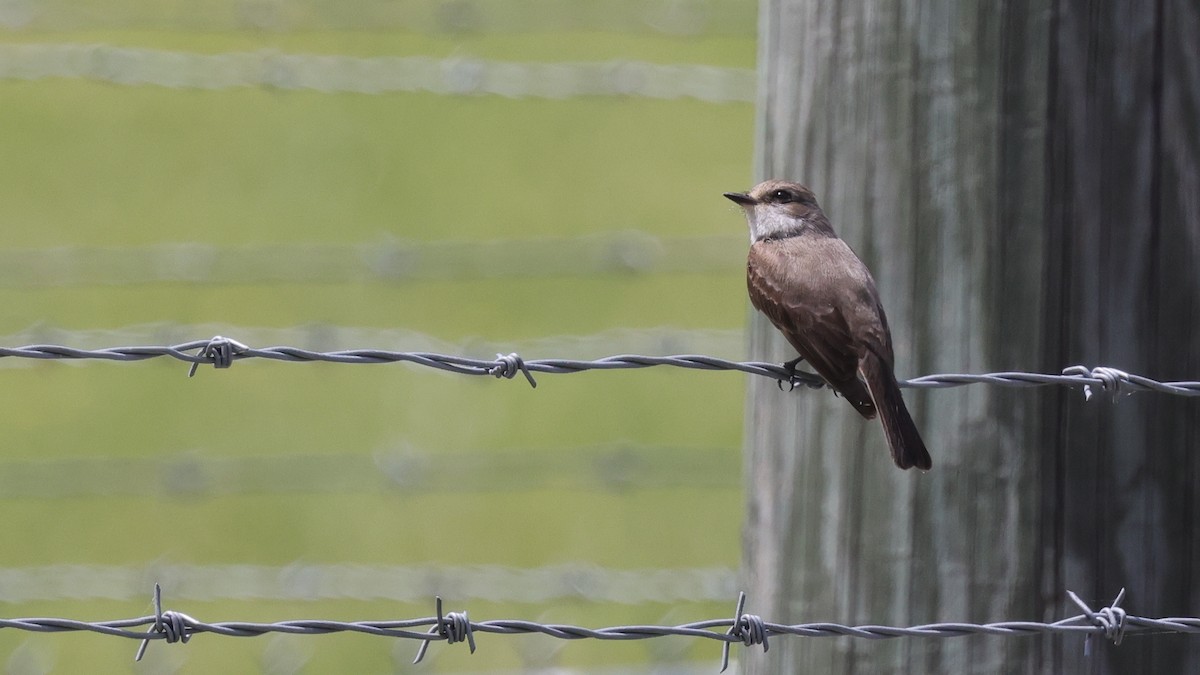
(781, 195)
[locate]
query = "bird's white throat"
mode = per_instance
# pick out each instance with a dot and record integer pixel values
(767, 220)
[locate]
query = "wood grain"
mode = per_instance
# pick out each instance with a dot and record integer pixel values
(1023, 180)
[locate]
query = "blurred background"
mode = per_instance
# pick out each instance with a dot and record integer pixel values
(468, 177)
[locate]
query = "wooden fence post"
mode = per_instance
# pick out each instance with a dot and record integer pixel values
(1023, 178)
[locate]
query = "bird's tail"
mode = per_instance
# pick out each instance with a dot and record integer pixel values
(908, 450)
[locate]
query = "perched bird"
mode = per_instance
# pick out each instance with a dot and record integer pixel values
(817, 292)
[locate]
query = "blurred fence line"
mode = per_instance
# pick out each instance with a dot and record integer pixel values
(189, 475)
(354, 581)
(384, 261)
(669, 17)
(374, 75)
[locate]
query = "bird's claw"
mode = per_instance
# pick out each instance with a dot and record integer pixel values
(793, 380)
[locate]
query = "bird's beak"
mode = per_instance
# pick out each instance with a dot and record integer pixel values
(741, 198)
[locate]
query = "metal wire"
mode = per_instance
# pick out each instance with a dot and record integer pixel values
(1111, 622)
(222, 352)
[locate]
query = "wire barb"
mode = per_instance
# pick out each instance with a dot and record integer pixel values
(221, 351)
(1110, 619)
(508, 367)
(171, 626)
(748, 628)
(453, 627)
(1110, 379)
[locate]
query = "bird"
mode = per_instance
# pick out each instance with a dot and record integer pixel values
(822, 298)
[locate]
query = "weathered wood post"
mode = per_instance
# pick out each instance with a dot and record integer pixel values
(1023, 178)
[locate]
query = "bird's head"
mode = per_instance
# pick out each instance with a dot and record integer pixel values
(778, 208)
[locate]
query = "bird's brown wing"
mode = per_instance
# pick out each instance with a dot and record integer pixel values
(818, 331)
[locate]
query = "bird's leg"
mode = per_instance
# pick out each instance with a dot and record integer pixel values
(790, 366)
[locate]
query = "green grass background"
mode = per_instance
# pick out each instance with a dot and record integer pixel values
(91, 163)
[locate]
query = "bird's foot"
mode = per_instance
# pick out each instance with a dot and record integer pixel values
(790, 367)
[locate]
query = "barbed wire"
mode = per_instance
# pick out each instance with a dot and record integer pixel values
(222, 352)
(375, 75)
(1111, 622)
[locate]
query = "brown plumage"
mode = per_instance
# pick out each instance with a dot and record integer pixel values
(817, 292)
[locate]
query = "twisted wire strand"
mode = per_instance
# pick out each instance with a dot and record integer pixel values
(223, 352)
(126, 628)
(747, 629)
